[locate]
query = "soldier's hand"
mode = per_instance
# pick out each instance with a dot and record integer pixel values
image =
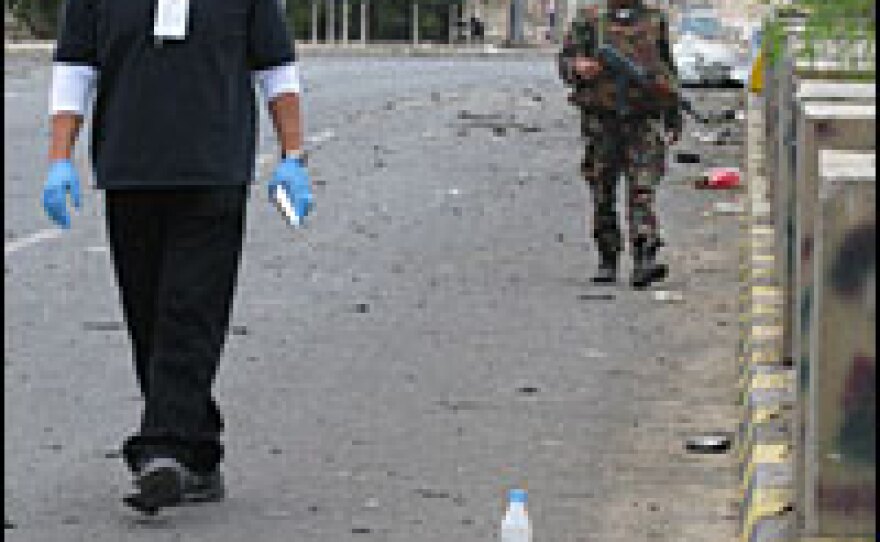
(586, 68)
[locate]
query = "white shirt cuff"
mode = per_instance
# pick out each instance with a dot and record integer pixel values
(278, 80)
(72, 87)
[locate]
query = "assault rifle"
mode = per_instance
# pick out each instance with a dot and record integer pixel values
(626, 72)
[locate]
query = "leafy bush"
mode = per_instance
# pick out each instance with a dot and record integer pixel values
(850, 24)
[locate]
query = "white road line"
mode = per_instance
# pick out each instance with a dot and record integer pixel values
(32, 239)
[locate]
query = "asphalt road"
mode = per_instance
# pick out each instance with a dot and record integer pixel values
(428, 343)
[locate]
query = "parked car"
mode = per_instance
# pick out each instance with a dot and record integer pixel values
(707, 52)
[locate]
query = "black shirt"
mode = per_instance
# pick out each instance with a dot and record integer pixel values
(176, 113)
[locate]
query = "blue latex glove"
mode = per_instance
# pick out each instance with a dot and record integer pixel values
(62, 179)
(293, 177)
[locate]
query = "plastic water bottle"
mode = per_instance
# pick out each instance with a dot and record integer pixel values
(515, 526)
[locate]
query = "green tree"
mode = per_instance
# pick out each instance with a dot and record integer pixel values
(39, 16)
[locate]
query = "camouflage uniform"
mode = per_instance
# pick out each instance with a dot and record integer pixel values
(629, 139)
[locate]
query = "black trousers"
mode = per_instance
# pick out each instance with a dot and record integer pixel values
(176, 255)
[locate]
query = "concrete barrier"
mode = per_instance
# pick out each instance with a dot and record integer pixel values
(804, 90)
(840, 461)
(821, 126)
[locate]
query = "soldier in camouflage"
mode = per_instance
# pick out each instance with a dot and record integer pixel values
(626, 130)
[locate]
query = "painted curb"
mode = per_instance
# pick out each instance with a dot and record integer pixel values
(767, 393)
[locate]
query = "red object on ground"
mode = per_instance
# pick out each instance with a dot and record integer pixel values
(720, 179)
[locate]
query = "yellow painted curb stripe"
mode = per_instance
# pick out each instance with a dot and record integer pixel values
(759, 244)
(770, 453)
(766, 503)
(766, 332)
(755, 273)
(765, 356)
(761, 454)
(763, 308)
(762, 271)
(758, 311)
(764, 381)
(756, 74)
(763, 230)
(764, 414)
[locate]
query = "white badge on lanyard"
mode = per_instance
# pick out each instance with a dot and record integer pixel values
(171, 19)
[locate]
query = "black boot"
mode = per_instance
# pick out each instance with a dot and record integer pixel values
(646, 270)
(607, 272)
(159, 485)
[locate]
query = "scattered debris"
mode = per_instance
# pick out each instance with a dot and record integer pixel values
(667, 296)
(527, 390)
(712, 443)
(103, 326)
(321, 137)
(687, 157)
(728, 208)
(596, 297)
(427, 493)
(720, 179)
(470, 115)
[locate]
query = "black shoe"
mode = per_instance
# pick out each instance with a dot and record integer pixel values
(646, 270)
(160, 484)
(607, 272)
(201, 488)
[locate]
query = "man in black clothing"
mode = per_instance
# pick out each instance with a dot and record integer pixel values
(173, 147)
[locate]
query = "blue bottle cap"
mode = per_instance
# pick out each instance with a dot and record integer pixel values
(518, 496)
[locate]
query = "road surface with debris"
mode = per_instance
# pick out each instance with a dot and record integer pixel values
(429, 342)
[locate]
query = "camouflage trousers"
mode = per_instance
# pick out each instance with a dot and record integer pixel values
(636, 149)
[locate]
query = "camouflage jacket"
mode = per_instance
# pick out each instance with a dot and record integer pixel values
(644, 39)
